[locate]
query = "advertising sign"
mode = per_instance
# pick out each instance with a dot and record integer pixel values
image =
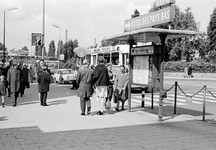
(34, 38)
(142, 50)
(160, 3)
(140, 74)
(147, 20)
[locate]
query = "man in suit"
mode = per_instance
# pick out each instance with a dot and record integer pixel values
(85, 83)
(13, 79)
(43, 85)
(6, 72)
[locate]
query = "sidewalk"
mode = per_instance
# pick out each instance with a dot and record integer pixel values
(60, 126)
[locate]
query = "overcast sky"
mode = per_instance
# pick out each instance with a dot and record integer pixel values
(84, 20)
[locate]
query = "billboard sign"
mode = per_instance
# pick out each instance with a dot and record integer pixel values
(160, 3)
(34, 38)
(161, 16)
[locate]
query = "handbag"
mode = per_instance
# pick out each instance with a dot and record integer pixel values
(107, 104)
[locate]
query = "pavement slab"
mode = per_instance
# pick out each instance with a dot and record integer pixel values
(60, 126)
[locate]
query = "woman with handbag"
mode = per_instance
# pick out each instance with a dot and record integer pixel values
(110, 87)
(121, 88)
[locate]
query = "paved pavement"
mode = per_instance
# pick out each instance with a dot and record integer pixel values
(60, 126)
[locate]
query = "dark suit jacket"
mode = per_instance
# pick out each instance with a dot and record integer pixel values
(85, 82)
(43, 82)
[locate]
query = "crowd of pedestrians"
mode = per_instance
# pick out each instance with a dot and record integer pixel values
(16, 77)
(104, 83)
(101, 80)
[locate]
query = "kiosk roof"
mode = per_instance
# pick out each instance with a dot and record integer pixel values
(151, 35)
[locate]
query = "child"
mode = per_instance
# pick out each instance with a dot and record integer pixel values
(2, 88)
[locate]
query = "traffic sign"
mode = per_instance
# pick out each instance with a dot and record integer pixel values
(35, 38)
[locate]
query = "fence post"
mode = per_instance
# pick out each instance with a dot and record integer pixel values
(152, 98)
(204, 102)
(175, 100)
(143, 97)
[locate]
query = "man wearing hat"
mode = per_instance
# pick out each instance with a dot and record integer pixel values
(43, 84)
(85, 83)
(6, 72)
(13, 79)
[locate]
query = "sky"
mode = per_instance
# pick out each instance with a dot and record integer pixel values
(84, 20)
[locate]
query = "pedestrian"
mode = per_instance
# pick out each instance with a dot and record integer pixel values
(24, 78)
(13, 79)
(121, 87)
(32, 74)
(6, 72)
(101, 79)
(2, 89)
(74, 84)
(186, 72)
(43, 80)
(85, 91)
(110, 87)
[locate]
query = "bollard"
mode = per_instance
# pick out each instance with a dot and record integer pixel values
(204, 102)
(175, 100)
(152, 98)
(143, 97)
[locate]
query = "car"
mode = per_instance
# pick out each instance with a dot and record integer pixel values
(64, 76)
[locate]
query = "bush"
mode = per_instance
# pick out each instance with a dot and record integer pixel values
(197, 66)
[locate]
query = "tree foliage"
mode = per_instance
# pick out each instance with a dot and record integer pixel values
(180, 48)
(211, 32)
(51, 52)
(68, 49)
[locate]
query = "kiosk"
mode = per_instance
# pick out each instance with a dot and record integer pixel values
(141, 58)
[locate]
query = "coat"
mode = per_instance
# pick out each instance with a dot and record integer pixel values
(85, 82)
(13, 79)
(43, 80)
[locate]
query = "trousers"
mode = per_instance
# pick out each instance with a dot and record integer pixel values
(43, 98)
(15, 96)
(83, 102)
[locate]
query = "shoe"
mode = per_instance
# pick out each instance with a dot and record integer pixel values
(88, 112)
(3, 105)
(14, 105)
(45, 105)
(98, 112)
(117, 109)
(82, 114)
(122, 109)
(101, 113)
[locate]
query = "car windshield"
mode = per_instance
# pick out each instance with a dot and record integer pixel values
(66, 72)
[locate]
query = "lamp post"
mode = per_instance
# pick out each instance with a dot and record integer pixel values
(7, 9)
(58, 44)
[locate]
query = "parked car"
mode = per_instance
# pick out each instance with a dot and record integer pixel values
(64, 76)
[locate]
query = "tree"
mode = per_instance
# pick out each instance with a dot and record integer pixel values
(51, 52)
(211, 32)
(184, 20)
(60, 46)
(68, 49)
(38, 51)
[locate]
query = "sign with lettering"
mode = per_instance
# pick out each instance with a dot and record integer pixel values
(142, 50)
(160, 3)
(154, 18)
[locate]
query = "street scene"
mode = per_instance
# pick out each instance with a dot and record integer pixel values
(107, 75)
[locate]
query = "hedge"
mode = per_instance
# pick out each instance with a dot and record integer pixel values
(199, 67)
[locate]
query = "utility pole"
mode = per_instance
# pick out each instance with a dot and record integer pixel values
(43, 41)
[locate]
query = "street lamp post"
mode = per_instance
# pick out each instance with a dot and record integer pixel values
(7, 9)
(58, 44)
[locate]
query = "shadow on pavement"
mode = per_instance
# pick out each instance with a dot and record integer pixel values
(3, 118)
(127, 137)
(169, 111)
(57, 102)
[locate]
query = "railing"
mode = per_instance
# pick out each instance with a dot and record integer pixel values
(187, 96)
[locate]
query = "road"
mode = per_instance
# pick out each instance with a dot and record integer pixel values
(189, 96)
